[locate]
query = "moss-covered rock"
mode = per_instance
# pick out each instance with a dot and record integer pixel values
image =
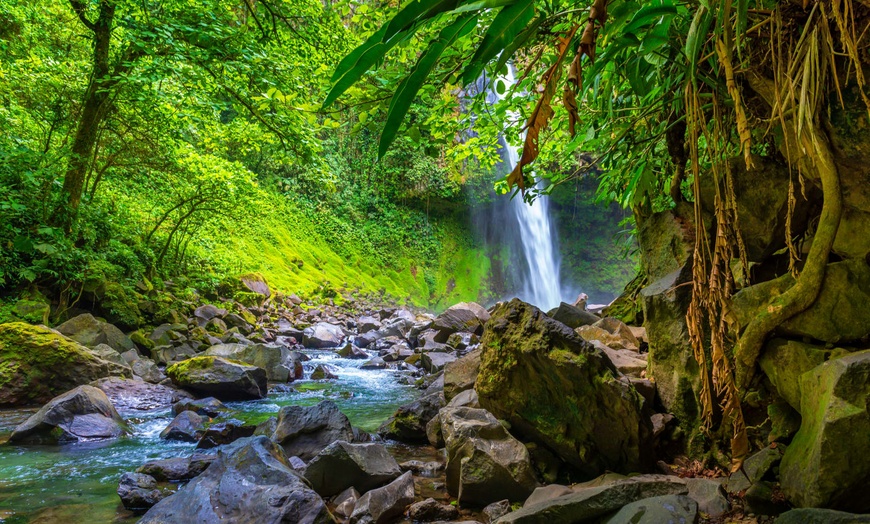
(784, 361)
(558, 390)
(219, 377)
(828, 462)
(37, 364)
(34, 310)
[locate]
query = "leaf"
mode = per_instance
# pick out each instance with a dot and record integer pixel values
(696, 37)
(527, 34)
(647, 15)
(407, 90)
(482, 4)
(22, 244)
(540, 117)
(569, 94)
(506, 26)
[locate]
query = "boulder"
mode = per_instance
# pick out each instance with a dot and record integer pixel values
(166, 334)
(366, 324)
(784, 361)
(136, 395)
(138, 492)
(322, 335)
(820, 516)
(224, 433)
(465, 316)
(343, 465)
(206, 407)
(430, 510)
(249, 482)
(344, 502)
(467, 398)
(408, 423)
(461, 374)
(218, 377)
(827, 463)
(305, 431)
(383, 505)
(435, 362)
(147, 370)
(39, 364)
(496, 510)
(839, 314)
(351, 351)
(374, 363)
(573, 316)
(655, 510)
(105, 352)
(589, 504)
(626, 361)
(187, 426)
(89, 331)
(207, 312)
(709, 495)
(84, 413)
(275, 360)
(323, 372)
(178, 469)
(484, 462)
(255, 283)
(171, 354)
(535, 366)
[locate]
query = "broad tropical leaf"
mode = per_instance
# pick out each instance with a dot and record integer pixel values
(502, 31)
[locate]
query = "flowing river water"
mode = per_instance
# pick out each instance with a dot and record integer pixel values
(77, 483)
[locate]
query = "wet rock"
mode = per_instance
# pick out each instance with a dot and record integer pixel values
(130, 394)
(250, 481)
(709, 495)
(351, 351)
(224, 433)
(305, 431)
(224, 379)
(343, 465)
(84, 413)
(382, 505)
(827, 463)
(431, 510)
(484, 462)
(187, 426)
(39, 364)
(323, 372)
(374, 363)
(91, 332)
(275, 360)
(591, 503)
(322, 335)
(465, 316)
(461, 374)
(138, 492)
(408, 423)
(147, 370)
(178, 469)
(535, 366)
(655, 510)
(496, 510)
(573, 316)
(207, 407)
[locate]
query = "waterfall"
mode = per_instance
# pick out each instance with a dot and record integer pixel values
(540, 268)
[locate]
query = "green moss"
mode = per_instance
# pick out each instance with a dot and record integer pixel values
(141, 340)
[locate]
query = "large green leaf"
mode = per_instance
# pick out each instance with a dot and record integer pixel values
(509, 22)
(648, 15)
(482, 4)
(409, 87)
(696, 37)
(527, 34)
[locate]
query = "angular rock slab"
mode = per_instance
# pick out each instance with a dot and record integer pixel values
(485, 463)
(461, 375)
(250, 482)
(322, 335)
(343, 465)
(827, 463)
(305, 431)
(558, 390)
(275, 360)
(383, 505)
(590, 504)
(221, 378)
(465, 316)
(84, 413)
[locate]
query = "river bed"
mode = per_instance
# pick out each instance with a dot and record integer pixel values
(77, 483)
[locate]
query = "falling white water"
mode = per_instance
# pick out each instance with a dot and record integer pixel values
(541, 281)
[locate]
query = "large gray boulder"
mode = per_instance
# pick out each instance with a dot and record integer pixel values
(84, 413)
(139, 491)
(305, 431)
(485, 463)
(275, 360)
(177, 469)
(249, 482)
(589, 504)
(435, 362)
(187, 426)
(343, 465)
(827, 463)
(573, 316)
(408, 423)
(460, 375)
(536, 367)
(383, 505)
(465, 316)
(218, 377)
(322, 335)
(91, 332)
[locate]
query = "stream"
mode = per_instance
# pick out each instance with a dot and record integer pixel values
(77, 483)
